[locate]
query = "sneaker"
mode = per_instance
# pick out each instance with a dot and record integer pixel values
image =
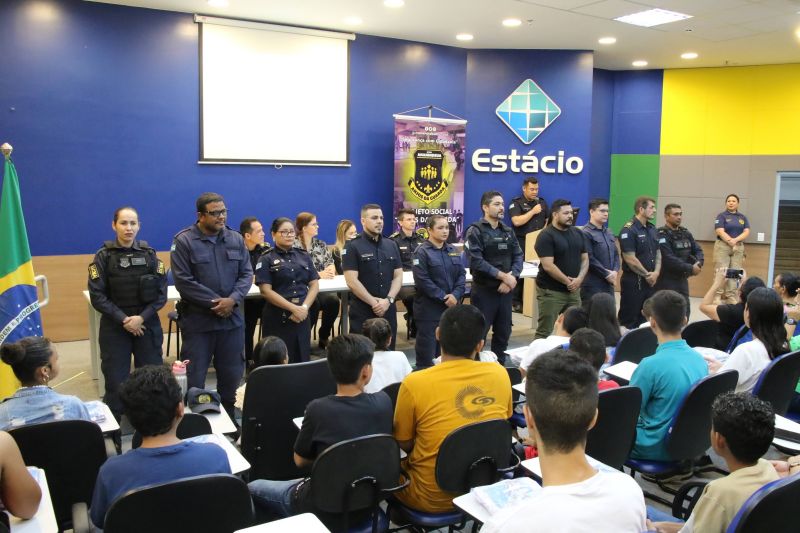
(516, 307)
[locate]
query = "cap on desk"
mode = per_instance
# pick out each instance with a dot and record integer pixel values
(203, 401)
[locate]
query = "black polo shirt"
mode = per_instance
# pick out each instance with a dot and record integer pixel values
(375, 260)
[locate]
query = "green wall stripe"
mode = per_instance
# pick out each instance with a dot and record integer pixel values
(631, 176)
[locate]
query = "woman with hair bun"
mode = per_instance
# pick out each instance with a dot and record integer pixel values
(388, 366)
(34, 361)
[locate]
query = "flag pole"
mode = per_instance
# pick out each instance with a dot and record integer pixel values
(8, 382)
(6, 149)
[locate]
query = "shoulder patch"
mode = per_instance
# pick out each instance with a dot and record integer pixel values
(511, 205)
(344, 251)
(623, 235)
(161, 269)
(172, 248)
(628, 224)
(394, 235)
(415, 262)
(258, 265)
(93, 272)
(662, 240)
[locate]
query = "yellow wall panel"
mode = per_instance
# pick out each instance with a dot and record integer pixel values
(731, 111)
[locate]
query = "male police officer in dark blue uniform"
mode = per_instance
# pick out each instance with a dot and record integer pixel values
(373, 272)
(495, 261)
(528, 213)
(681, 256)
(408, 240)
(252, 232)
(439, 278)
(603, 253)
(212, 273)
(641, 266)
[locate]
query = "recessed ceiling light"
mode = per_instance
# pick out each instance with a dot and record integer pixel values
(689, 55)
(639, 63)
(353, 21)
(607, 40)
(394, 3)
(218, 3)
(511, 23)
(653, 17)
(465, 37)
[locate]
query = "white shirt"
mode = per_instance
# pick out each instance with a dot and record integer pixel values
(540, 346)
(749, 359)
(387, 368)
(607, 501)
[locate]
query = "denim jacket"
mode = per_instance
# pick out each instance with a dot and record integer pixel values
(31, 405)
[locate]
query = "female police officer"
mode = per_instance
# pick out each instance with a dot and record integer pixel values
(128, 285)
(439, 280)
(732, 228)
(289, 283)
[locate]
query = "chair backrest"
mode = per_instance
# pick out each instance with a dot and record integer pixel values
(470, 455)
(778, 381)
(688, 436)
(391, 390)
(215, 503)
(274, 396)
(372, 460)
(515, 377)
(71, 453)
(636, 345)
(770, 508)
(191, 425)
(702, 333)
(611, 439)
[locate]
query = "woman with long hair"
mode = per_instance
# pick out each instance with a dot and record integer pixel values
(602, 310)
(345, 231)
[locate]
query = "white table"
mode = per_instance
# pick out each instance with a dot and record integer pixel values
(237, 461)
(519, 387)
(302, 523)
(337, 284)
(220, 422)
(108, 424)
(787, 425)
(534, 467)
(622, 371)
(469, 504)
(44, 521)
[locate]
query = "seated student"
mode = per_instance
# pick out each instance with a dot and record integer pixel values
(569, 320)
(34, 361)
(664, 377)
(561, 407)
(348, 414)
(590, 346)
(270, 350)
(388, 366)
(19, 493)
(742, 428)
(434, 402)
(602, 317)
(152, 400)
(729, 316)
(647, 311)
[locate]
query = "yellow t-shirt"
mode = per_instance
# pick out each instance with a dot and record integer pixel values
(434, 402)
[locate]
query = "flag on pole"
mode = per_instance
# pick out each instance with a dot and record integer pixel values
(19, 303)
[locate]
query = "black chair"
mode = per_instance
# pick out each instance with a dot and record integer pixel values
(71, 453)
(214, 503)
(770, 508)
(192, 425)
(514, 375)
(173, 318)
(391, 390)
(778, 381)
(274, 396)
(688, 436)
(703, 333)
(636, 345)
(356, 475)
(611, 439)
(471, 456)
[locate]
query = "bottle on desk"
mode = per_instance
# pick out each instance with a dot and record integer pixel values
(179, 371)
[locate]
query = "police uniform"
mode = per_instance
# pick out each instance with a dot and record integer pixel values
(253, 307)
(603, 256)
(206, 268)
(734, 225)
(375, 260)
(679, 252)
(519, 206)
(127, 282)
(491, 250)
(642, 240)
(437, 273)
(289, 272)
(407, 247)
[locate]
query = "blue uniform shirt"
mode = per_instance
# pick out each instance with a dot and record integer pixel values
(437, 273)
(641, 240)
(603, 254)
(288, 272)
(375, 260)
(207, 269)
(734, 224)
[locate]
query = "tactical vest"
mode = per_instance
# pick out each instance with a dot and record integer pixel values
(498, 251)
(131, 277)
(680, 244)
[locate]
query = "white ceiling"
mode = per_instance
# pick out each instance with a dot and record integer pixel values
(722, 32)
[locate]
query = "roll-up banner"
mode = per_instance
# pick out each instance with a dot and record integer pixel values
(429, 169)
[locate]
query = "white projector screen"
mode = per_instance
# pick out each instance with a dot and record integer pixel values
(272, 94)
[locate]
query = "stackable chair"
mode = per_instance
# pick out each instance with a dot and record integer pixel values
(191, 425)
(771, 508)
(636, 345)
(516, 419)
(703, 333)
(391, 390)
(611, 439)
(778, 381)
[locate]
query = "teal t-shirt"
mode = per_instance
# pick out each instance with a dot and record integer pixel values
(664, 379)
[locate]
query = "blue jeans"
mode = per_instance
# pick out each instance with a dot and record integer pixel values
(273, 496)
(656, 515)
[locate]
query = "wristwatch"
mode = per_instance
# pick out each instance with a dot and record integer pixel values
(390, 299)
(791, 321)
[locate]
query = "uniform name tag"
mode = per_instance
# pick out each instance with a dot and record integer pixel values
(502, 246)
(623, 236)
(367, 256)
(662, 240)
(138, 261)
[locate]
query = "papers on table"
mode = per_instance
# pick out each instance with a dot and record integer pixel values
(623, 370)
(237, 461)
(787, 434)
(44, 521)
(483, 502)
(516, 354)
(306, 522)
(102, 416)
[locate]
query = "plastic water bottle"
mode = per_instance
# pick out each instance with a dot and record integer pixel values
(179, 371)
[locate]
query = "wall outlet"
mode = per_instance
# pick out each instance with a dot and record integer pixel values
(760, 237)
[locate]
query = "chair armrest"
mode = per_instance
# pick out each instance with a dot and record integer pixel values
(689, 493)
(406, 482)
(81, 523)
(111, 449)
(517, 462)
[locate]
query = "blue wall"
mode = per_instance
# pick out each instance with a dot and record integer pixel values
(602, 126)
(637, 112)
(101, 103)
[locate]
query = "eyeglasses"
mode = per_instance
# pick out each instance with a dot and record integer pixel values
(286, 232)
(218, 213)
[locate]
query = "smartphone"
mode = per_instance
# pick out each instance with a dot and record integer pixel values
(734, 273)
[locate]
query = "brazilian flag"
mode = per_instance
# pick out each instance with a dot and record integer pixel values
(19, 303)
